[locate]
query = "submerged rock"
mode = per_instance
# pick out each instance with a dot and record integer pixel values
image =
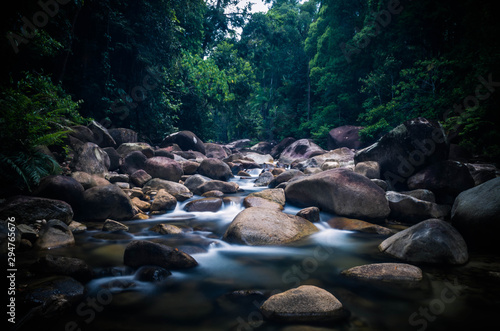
(431, 241)
(387, 273)
(55, 234)
(141, 253)
(303, 304)
(256, 226)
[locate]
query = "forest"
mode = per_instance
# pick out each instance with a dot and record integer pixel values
(225, 73)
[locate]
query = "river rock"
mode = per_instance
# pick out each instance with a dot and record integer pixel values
(113, 226)
(341, 155)
(421, 194)
(259, 158)
(345, 136)
(123, 136)
(63, 188)
(215, 151)
(215, 169)
(446, 179)
(408, 209)
(195, 181)
(301, 149)
(311, 214)
(163, 168)
(256, 227)
(152, 274)
(279, 148)
(101, 135)
(250, 201)
(141, 204)
(476, 214)
(340, 191)
(401, 274)
(28, 210)
(263, 147)
(140, 177)
(304, 304)
(481, 173)
(275, 195)
(381, 183)
(204, 205)
(140, 253)
(53, 296)
(55, 234)
(407, 149)
(133, 162)
(103, 202)
(163, 201)
(179, 191)
(430, 241)
(370, 169)
(127, 148)
(285, 177)
(217, 185)
(64, 266)
(186, 140)
(264, 179)
(91, 159)
(166, 229)
(115, 159)
(238, 145)
(189, 167)
(342, 223)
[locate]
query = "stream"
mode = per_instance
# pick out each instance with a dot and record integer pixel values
(225, 291)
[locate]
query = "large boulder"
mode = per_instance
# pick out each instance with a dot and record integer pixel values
(238, 145)
(204, 205)
(301, 149)
(53, 234)
(217, 185)
(263, 147)
(127, 148)
(285, 177)
(101, 135)
(215, 169)
(476, 214)
(91, 159)
(215, 151)
(62, 188)
(481, 173)
(407, 149)
(115, 160)
(304, 304)
(163, 168)
(179, 191)
(430, 241)
(163, 201)
(122, 136)
(142, 253)
(256, 227)
(446, 179)
(407, 209)
(259, 158)
(28, 210)
(345, 136)
(264, 179)
(279, 148)
(103, 202)
(341, 192)
(195, 181)
(133, 161)
(186, 140)
(274, 195)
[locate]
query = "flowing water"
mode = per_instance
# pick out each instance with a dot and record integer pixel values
(225, 291)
